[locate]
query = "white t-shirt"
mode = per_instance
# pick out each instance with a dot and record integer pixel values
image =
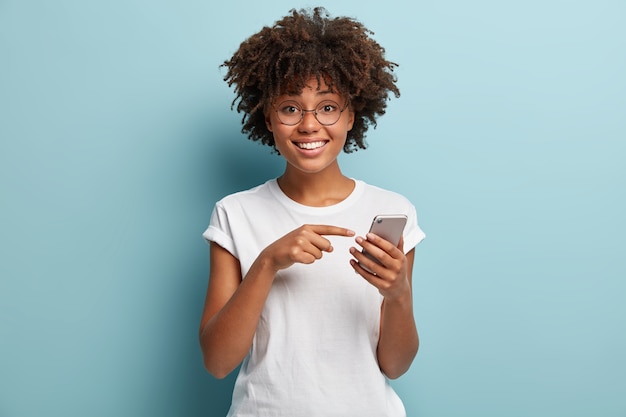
(314, 350)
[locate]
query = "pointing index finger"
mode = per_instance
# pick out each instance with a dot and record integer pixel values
(325, 229)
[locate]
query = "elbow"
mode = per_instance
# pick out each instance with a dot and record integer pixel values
(216, 369)
(219, 359)
(394, 373)
(211, 362)
(216, 362)
(216, 372)
(395, 367)
(216, 365)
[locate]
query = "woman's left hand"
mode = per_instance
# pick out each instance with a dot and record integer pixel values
(390, 274)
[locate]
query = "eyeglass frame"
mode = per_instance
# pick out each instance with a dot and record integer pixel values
(302, 111)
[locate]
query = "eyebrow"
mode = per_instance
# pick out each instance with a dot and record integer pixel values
(319, 93)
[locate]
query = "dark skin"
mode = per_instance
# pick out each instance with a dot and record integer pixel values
(313, 177)
(283, 57)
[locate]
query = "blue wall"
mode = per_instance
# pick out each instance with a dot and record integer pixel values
(116, 138)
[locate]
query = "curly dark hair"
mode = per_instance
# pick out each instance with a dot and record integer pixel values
(304, 44)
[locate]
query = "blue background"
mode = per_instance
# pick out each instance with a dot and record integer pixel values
(117, 138)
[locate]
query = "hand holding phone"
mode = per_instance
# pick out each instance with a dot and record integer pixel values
(388, 227)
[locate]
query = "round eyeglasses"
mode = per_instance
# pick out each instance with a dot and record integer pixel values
(291, 113)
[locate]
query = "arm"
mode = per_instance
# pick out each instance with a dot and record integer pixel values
(233, 305)
(232, 310)
(398, 341)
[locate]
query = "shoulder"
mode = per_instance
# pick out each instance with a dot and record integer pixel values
(247, 197)
(382, 201)
(381, 194)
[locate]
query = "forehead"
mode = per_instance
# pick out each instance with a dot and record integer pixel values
(310, 99)
(313, 83)
(306, 92)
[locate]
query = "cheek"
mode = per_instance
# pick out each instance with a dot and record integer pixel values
(282, 134)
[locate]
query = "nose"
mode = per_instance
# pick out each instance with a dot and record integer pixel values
(309, 121)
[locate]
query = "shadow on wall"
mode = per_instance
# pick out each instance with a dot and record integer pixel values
(202, 395)
(236, 163)
(221, 164)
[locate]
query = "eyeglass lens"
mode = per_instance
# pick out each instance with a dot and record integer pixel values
(327, 112)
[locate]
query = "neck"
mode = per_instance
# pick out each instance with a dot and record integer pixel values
(318, 189)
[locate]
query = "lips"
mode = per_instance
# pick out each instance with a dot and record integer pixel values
(311, 145)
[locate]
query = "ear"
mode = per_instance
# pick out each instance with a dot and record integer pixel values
(268, 122)
(350, 120)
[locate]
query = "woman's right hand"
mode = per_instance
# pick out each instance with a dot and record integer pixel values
(305, 245)
(233, 305)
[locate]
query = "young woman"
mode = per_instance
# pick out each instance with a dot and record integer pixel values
(290, 296)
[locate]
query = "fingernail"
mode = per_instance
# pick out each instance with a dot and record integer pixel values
(359, 239)
(353, 263)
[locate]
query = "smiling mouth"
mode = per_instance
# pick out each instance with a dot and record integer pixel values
(310, 145)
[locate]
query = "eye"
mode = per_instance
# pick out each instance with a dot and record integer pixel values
(328, 107)
(288, 108)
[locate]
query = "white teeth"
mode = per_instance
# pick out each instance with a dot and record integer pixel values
(310, 145)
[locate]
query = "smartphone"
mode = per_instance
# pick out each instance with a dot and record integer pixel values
(389, 227)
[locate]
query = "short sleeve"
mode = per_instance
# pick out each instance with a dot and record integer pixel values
(219, 230)
(412, 232)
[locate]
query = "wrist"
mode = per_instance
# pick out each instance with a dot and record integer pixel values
(402, 299)
(266, 265)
